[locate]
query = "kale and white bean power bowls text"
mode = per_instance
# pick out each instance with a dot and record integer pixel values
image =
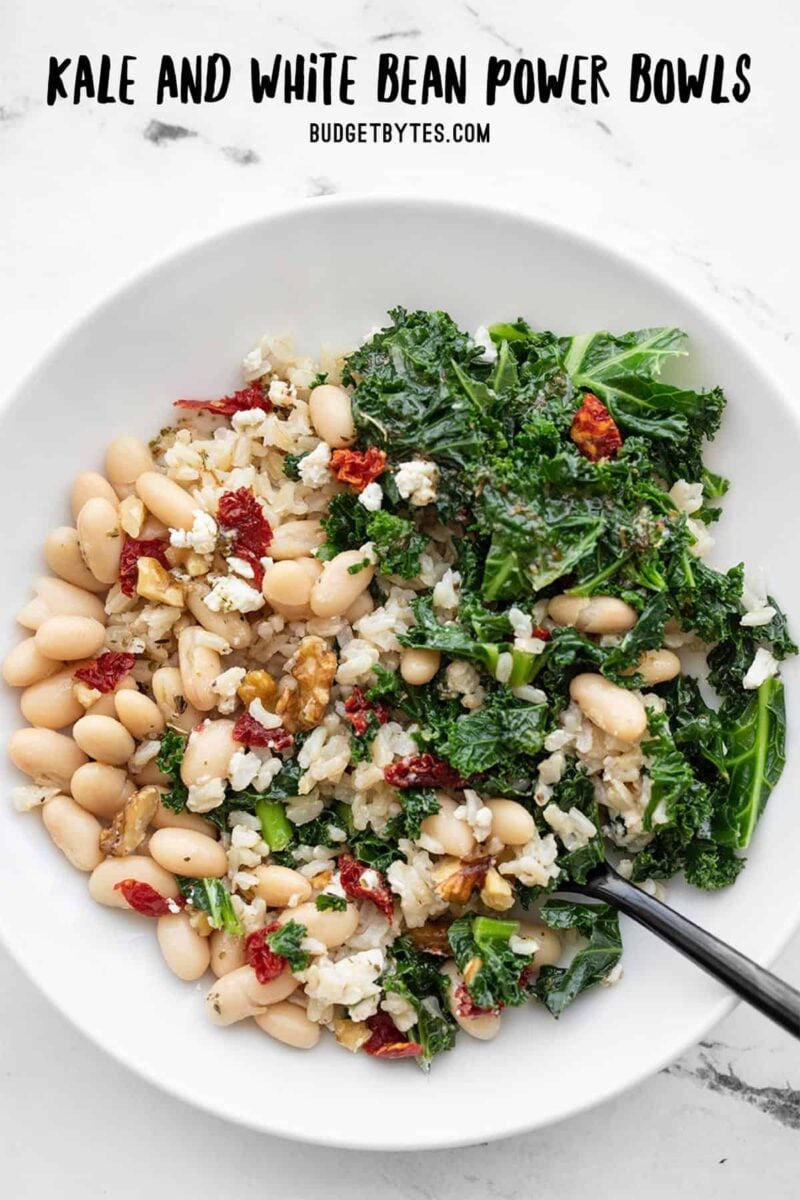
(348, 671)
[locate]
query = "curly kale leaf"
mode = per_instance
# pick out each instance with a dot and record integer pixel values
(286, 942)
(348, 525)
(416, 977)
(213, 898)
(557, 987)
(497, 981)
(168, 761)
(417, 805)
(500, 729)
(457, 641)
(575, 790)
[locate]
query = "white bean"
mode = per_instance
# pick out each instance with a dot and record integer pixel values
(188, 853)
(56, 597)
(25, 664)
(63, 639)
(454, 836)
(104, 739)
(101, 789)
(238, 994)
(89, 485)
(483, 1027)
(199, 666)
(165, 818)
(47, 756)
(549, 951)
(74, 830)
(100, 538)
(126, 459)
(419, 666)
(208, 752)
(615, 710)
(62, 553)
(185, 952)
(231, 626)
(111, 871)
(167, 686)
(362, 605)
(656, 666)
(227, 952)
(337, 588)
(167, 500)
(51, 703)
(287, 586)
(593, 614)
(296, 539)
(281, 886)
(106, 705)
(331, 413)
(140, 715)
(288, 1023)
(330, 927)
(511, 821)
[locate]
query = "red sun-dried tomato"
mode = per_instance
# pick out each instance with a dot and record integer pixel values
(386, 1040)
(145, 899)
(358, 467)
(594, 431)
(105, 672)
(423, 770)
(265, 962)
(241, 401)
(132, 550)
(241, 517)
(539, 631)
(361, 712)
(352, 876)
(466, 1006)
(250, 732)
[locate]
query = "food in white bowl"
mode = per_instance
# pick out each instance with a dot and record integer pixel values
(180, 331)
(367, 656)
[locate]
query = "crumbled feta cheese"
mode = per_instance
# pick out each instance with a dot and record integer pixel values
(205, 796)
(240, 566)
(144, 753)
(687, 497)
(755, 599)
(250, 420)
(573, 827)
(225, 686)
(416, 481)
(371, 497)
(476, 814)
(401, 1011)
(202, 537)
(254, 365)
(483, 338)
(313, 468)
(523, 945)
(445, 594)
(763, 666)
(231, 594)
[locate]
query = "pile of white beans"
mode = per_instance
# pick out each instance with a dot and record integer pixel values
(80, 747)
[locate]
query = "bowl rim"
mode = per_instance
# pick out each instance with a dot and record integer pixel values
(359, 201)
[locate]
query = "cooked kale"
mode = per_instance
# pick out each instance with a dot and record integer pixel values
(557, 987)
(213, 898)
(286, 941)
(168, 761)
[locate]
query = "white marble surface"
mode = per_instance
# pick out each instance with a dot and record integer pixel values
(706, 194)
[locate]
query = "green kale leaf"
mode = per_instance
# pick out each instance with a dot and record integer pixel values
(557, 987)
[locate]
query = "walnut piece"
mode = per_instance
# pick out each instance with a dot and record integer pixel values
(497, 892)
(257, 685)
(302, 700)
(432, 937)
(456, 886)
(155, 583)
(126, 831)
(351, 1034)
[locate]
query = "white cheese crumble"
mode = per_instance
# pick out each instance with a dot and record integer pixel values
(573, 827)
(225, 686)
(372, 497)
(231, 594)
(476, 814)
(240, 566)
(687, 497)
(759, 611)
(313, 468)
(416, 481)
(202, 537)
(205, 796)
(763, 666)
(523, 945)
(483, 338)
(445, 594)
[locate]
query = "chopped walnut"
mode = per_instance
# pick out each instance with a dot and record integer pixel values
(432, 937)
(257, 685)
(155, 583)
(457, 885)
(127, 830)
(85, 695)
(131, 516)
(351, 1034)
(200, 923)
(303, 699)
(497, 892)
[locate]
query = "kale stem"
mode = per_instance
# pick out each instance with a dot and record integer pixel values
(586, 588)
(274, 824)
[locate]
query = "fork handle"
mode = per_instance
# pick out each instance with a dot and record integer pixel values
(770, 995)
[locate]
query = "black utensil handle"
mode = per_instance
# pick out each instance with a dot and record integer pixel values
(760, 988)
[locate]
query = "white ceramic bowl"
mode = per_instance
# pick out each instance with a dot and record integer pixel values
(328, 272)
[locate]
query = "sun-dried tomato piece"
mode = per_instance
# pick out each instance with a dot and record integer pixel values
(242, 518)
(265, 962)
(362, 882)
(363, 713)
(132, 550)
(145, 899)
(594, 431)
(358, 467)
(251, 732)
(466, 1006)
(105, 672)
(386, 1040)
(423, 770)
(241, 401)
(539, 631)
